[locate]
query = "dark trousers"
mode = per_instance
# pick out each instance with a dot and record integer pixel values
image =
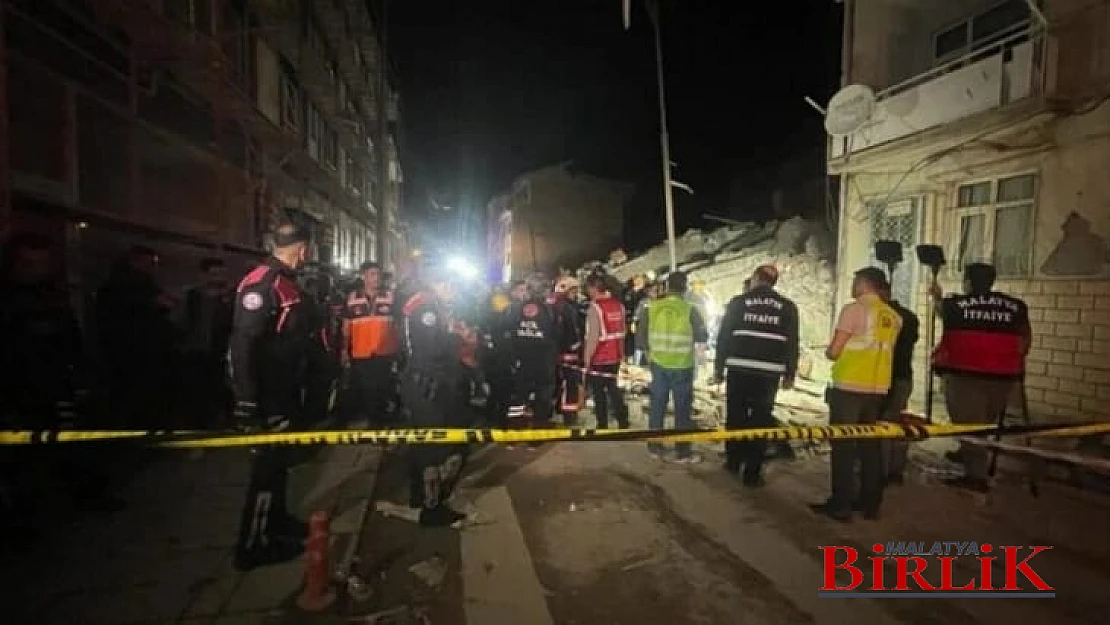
(751, 404)
(265, 516)
(374, 388)
(536, 380)
(849, 408)
(500, 379)
(605, 390)
(433, 400)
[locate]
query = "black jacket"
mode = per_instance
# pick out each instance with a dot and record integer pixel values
(903, 346)
(759, 334)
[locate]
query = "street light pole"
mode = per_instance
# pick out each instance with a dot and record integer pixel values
(654, 11)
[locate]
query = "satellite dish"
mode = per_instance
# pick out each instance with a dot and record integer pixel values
(849, 109)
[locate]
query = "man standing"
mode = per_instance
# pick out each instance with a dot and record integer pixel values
(271, 334)
(371, 344)
(570, 350)
(535, 350)
(901, 387)
(862, 349)
(982, 358)
(208, 314)
(758, 343)
(431, 389)
(673, 337)
(605, 325)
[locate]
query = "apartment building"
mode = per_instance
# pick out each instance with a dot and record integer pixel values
(193, 125)
(551, 218)
(988, 133)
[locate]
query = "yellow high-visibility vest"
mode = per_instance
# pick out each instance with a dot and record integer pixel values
(865, 364)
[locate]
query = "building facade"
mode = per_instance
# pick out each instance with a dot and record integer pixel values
(193, 126)
(552, 218)
(989, 136)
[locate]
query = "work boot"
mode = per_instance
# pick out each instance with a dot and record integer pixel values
(836, 514)
(753, 480)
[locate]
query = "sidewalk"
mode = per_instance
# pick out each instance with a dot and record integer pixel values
(167, 558)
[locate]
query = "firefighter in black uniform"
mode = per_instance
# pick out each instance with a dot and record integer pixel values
(273, 331)
(431, 392)
(570, 333)
(535, 349)
(758, 343)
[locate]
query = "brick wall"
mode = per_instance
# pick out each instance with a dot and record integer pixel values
(1068, 368)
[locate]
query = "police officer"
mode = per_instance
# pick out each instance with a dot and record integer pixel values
(981, 356)
(570, 349)
(371, 344)
(535, 346)
(272, 332)
(758, 345)
(431, 385)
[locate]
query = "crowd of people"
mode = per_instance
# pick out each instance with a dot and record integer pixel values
(292, 345)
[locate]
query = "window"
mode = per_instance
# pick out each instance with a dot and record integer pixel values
(994, 223)
(981, 30)
(899, 220)
(313, 132)
(290, 102)
(329, 147)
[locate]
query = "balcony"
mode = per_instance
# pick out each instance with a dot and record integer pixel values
(1004, 72)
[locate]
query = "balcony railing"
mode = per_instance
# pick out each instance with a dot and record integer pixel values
(1003, 72)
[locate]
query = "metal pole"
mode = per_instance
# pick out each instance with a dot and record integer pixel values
(664, 138)
(383, 142)
(6, 218)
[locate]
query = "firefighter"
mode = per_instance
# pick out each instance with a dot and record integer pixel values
(758, 345)
(604, 351)
(535, 349)
(497, 359)
(272, 333)
(371, 345)
(431, 384)
(569, 386)
(981, 356)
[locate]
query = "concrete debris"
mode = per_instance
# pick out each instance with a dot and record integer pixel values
(802, 250)
(398, 511)
(430, 571)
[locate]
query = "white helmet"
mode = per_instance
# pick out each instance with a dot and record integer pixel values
(566, 283)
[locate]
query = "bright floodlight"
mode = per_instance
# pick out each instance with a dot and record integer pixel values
(463, 267)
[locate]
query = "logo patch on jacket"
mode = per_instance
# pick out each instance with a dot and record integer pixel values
(429, 319)
(531, 310)
(252, 301)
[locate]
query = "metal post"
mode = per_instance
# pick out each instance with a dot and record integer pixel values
(664, 138)
(383, 141)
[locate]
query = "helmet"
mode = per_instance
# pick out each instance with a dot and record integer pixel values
(499, 302)
(566, 283)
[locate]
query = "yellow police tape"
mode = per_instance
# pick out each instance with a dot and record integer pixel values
(440, 436)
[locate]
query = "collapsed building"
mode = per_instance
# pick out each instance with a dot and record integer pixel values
(803, 251)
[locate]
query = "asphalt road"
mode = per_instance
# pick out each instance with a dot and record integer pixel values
(584, 533)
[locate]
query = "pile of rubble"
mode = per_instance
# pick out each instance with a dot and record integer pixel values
(802, 250)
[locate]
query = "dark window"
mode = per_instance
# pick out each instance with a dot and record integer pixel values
(998, 20)
(952, 41)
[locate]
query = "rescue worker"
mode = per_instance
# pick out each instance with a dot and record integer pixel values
(518, 291)
(604, 352)
(371, 344)
(673, 337)
(758, 345)
(632, 296)
(272, 332)
(862, 350)
(497, 360)
(895, 452)
(535, 349)
(652, 291)
(430, 389)
(981, 356)
(569, 389)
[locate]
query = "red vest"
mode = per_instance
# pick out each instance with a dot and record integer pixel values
(609, 345)
(982, 335)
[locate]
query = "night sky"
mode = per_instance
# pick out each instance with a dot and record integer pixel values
(494, 88)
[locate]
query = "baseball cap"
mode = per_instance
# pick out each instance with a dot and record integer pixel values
(874, 275)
